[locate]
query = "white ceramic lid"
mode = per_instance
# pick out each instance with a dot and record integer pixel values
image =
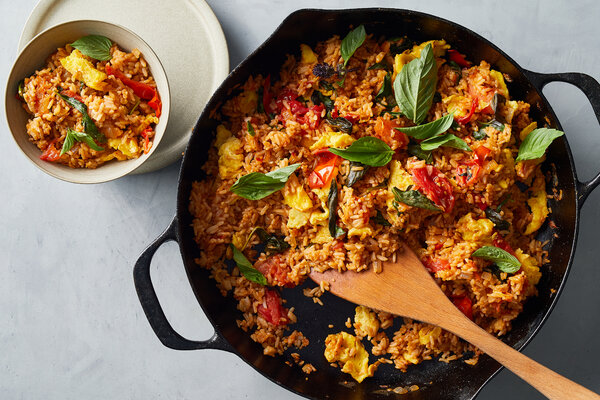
(185, 35)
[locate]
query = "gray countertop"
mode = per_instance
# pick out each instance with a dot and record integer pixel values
(71, 324)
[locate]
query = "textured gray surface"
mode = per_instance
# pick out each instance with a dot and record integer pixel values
(71, 325)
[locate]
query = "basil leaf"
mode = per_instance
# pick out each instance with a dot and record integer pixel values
(273, 243)
(251, 131)
(535, 144)
(386, 87)
(21, 89)
(505, 261)
(479, 135)
(417, 151)
(68, 143)
(430, 129)
(318, 98)
(326, 85)
(94, 46)
(380, 65)
(379, 219)
(397, 48)
(497, 219)
(351, 42)
(88, 123)
(340, 122)
(256, 186)
(414, 198)
(415, 84)
(497, 125)
(246, 268)
(367, 150)
(73, 136)
(447, 140)
(332, 202)
(357, 171)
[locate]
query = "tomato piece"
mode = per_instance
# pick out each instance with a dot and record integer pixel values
(469, 172)
(326, 168)
(464, 304)
(501, 243)
(146, 135)
(51, 153)
(458, 58)
(482, 153)
(465, 119)
(275, 269)
(272, 310)
(317, 111)
(156, 104)
(384, 129)
(436, 264)
(433, 184)
(352, 118)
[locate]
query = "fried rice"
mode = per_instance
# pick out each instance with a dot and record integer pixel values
(375, 224)
(126, 122)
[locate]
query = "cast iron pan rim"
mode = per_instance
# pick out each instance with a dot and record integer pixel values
(182, 198)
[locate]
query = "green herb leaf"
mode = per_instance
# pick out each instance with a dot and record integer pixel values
(357, 171)
(397, 48)
(430, 129)
(416, 150)
(414, 86)
(503, 202)
(318, 98)
(380, 65)
(73, 136)
(94, 46)
(505, 261)
(479, 135)
(447, 140)
(256, 186)
(88, 123)
(250, 128)
(414, 198)
(351, 42)
(535, 144)
(332, 201)
(497, 125)
(497, 219)
(246, 268)
(386, 87)
(379, 219)
(340, 122)
(367, 150)
(273, 243)
(135, 106)
(21, 89)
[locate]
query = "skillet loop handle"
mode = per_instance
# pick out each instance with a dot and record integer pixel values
(591, 88)
(151, 305)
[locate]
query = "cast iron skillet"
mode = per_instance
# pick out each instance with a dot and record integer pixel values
(448, 381)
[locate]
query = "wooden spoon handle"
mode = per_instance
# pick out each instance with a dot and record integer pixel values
(548, 382)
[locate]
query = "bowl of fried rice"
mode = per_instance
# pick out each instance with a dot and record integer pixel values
(87, 101)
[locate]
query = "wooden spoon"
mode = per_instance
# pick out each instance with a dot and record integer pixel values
(405, 288)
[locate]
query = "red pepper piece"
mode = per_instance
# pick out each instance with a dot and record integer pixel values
(436, 264)
(469, 173)
(146, 135)
(433, 184)
(458, 58)
(464, 304)
(326, 168)
(142, 90)
(273, 312)
(51, 153)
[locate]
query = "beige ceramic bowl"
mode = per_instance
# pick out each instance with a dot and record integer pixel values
(33, 57)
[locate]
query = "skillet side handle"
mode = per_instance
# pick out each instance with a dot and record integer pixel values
(149, 301)
(591, 88)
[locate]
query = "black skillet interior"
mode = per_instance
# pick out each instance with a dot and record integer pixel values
(437, 380)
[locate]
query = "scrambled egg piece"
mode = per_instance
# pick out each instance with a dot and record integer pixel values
(350, 352)
(115, 154)
(537, 203)
(308, 56)
(323, 235)
(527, 130)
(509, 163)
(248, 101)
(295, 196)
(83, 70)
(365, 322)
(511, 108)
(428, 333)
(361, 232)
(529, 266)
(499, 78)
(230, 158)
(127, 146)
(222, 135)
(333, 139)
(439, 48)
(297, 219)
(459, 105)
(472, 230)
(399, 178)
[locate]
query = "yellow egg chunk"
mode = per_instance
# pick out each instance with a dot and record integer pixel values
(127, 146)
(83, 70)
(308, 56)
(530, 267)
(350, 352)
(323, 235)
(365, 322)
(499, 78)
(429, 333)
(248, 101)
(297, 219)
(439, 48)
(511, 108)
(400, 178)
(295, 196)
(537, 204)
(457, 104)
(222, 135)
(230, 158)
(333, 139)
(360, 232)
(527, 130)
(472, 230)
